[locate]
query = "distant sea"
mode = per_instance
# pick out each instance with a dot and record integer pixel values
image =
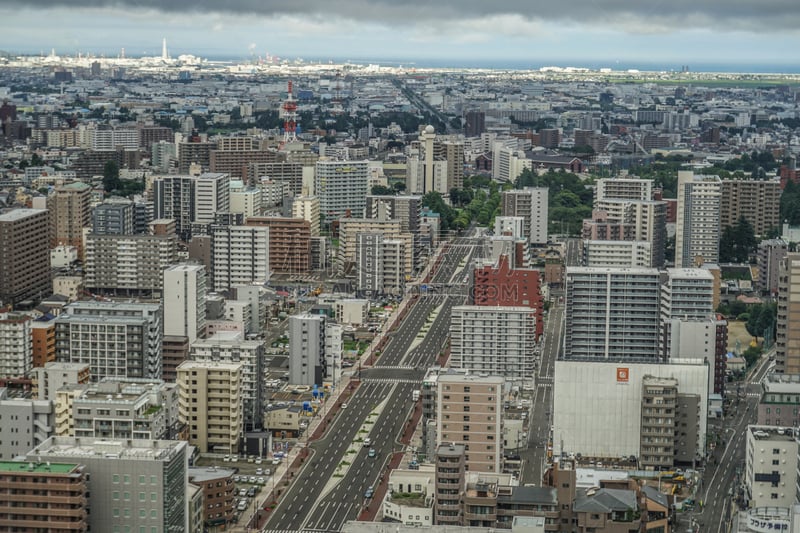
(501, 64)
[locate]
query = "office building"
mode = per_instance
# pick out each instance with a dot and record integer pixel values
(211, 404)
(495, 340)
(239, 256)
(474, 123)
(369, 263)
(531, 204)
(212, 195)
(770, 254)
(307, 208)
(174, 351)
(289, 243)
(600, 406)
(341, 187)
(70, 212)
(191, 199)
(770, 476)
(130, 264)
(185, 301)
(290, 173)
(669, 424)
(510, 227)
(246, 201)
(25, 268)
(114, 339)
(787, 345)
(134, 483)
(758, 201)
(453, 153)
(697, 229)
(44, 496)
(612, 314)
(468, 413)
(16, 345)
(126, 409)
(500, 285)
(349, 228)
(231, 347)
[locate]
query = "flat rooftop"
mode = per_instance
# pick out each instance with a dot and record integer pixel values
(38, 468)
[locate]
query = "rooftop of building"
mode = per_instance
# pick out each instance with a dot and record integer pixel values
(139, 450)
(605, 501)
(644, 271)
(204, 474)
(771, 433)
(185, 267)
(480, 378)
(690, 273)
(531, 495)
(211, 365)
(450, 450)
(24, 467)
(75, 186)
(19, 214)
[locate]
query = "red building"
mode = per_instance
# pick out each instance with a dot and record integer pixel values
(501, 285)
(720, 355)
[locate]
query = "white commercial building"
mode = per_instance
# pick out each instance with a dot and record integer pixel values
(307, 208)
(597, 407)
(531, 204)
(510, 226)
(315, 350)
(16, 345)
(494, 340)
(770, 477)
(185, 301)
(212, 195)
(622, 189)
(697, 230)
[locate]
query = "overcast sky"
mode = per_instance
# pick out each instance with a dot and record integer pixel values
(674, 32)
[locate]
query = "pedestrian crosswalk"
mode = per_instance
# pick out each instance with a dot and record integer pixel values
(390, 380)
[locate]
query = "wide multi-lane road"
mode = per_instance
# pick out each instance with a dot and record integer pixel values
(330, 488)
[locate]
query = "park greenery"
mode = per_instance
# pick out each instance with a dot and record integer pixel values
(738, 242)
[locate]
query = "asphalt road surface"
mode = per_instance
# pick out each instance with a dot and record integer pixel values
(318, 497)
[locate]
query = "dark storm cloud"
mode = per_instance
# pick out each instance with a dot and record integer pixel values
(635, 16)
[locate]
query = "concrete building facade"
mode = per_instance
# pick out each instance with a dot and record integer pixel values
(697, 230)
(25, 268)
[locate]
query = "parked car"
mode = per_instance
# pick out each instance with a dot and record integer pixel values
(261, 480)
(259, 471)
(252, 479)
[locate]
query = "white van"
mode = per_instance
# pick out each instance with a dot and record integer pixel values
(242, 505)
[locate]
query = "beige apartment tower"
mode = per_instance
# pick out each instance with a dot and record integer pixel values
(70, 212)
(787, 341)
(468, 412)
(25, 264)
(210, 404)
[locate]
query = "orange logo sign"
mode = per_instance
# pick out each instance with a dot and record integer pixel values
(622, 375)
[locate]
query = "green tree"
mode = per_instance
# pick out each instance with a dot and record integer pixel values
(738, 242)
(36, 160)
(383, 191)
(111, 181)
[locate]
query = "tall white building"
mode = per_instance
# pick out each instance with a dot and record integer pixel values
(510, 226)
(16, 345)
(497, 340)
(341, 187)
(622, 189)
(239, 255)
(770, 477)
(185, 301)
(697, 230)
(531, 204)
(617, 253)
(212, 195)
(612, 313)
(307, 208)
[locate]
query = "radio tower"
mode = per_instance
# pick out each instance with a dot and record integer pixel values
(289, 117)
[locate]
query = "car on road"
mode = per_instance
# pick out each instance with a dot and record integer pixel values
(344, 406)
(276, 461)
(237, 479)
(251, 492)
(371, 452)
(368, 493)
(242, 492)
(367, 442)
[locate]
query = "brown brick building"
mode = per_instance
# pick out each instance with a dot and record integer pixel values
(289, 243)
(25, 264)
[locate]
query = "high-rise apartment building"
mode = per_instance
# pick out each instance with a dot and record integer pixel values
(687, 294)
(618, 254)
(531, 204)
(314, 353)
(474, 123)
(622, 189)
(25, 265)
(16, 345)
(494, 340)
(116, 217)
(239, 255)
(130, 264)
(116, 339)
(231, 347)
(184, 301)
(787, 337)
(307, 207)
(770, 476)
(341, 187)
(52, 376)
(758, 201)
(349, 228)
(70, 212)
(612, 313)
(289, 243)
(39, 496)
(191, 199)
(468, 413)
(212, 195)
(449, 485)
(134, 483)
(210, 404)
(697, 230)
(369, 263)
(770, 254)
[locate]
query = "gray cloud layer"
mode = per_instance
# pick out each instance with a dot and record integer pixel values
(634, 16)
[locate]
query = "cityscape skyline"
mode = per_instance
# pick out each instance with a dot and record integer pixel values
(710, 33)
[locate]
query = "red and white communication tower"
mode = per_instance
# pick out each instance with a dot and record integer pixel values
(289, 117)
